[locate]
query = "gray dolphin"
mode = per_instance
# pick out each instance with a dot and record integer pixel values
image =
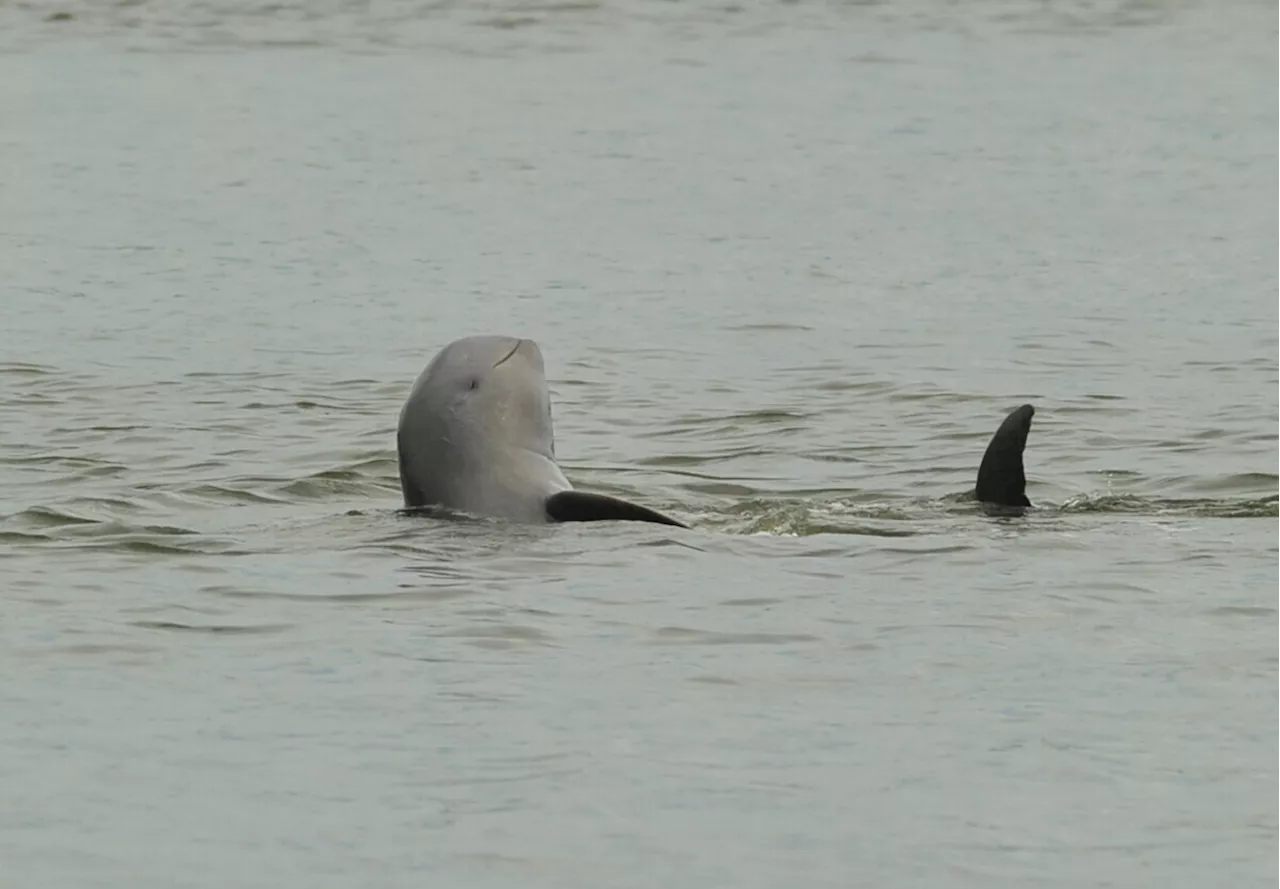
(475, 436)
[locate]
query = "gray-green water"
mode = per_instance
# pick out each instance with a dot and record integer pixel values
(789, 267)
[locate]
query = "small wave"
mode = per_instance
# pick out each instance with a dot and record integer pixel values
(720, 489)
(846, 386)
(370, 475)
(110, 527)
(60, 527)
(772, 422)
(48, 517)
(82, 466)
(211, 629)
(365, 478)
(152, 544)
(1129, 504)
(805, 518)
(23, 537)
(23, 368)
(689, 636)
(404, 595)
(774, 326)
(670, 460)
(1245, 482)
(333, 483)
(236, 491)
(812, 513)
(1243, 611)
(501, 636)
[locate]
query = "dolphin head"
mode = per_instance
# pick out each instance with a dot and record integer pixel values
(477, 427)
(491, 389)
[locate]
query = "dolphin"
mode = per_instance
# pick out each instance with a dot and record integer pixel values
(1002, 482)
(475, 436)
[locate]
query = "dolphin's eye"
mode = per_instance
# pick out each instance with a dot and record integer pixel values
(474, 384)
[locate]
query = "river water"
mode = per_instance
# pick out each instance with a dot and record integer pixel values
(789, 266)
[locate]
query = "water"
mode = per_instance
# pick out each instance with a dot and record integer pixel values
(789, 267)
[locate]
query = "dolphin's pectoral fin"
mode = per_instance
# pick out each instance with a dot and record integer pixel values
(579, 506)
(1001, 479)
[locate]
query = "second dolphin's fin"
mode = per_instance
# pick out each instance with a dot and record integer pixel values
(1001, 479)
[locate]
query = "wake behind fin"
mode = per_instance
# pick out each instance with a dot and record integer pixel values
(580, 506)
(1001, 479)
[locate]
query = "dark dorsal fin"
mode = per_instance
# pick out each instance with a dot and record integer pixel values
(579, 506)
(1001, 479)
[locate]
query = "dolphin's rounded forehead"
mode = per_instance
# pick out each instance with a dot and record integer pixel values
(480, 395)
(481, 354)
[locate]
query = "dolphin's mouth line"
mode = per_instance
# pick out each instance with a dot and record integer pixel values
(513, 351)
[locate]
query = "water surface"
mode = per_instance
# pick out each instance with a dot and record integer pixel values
(789, 268)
